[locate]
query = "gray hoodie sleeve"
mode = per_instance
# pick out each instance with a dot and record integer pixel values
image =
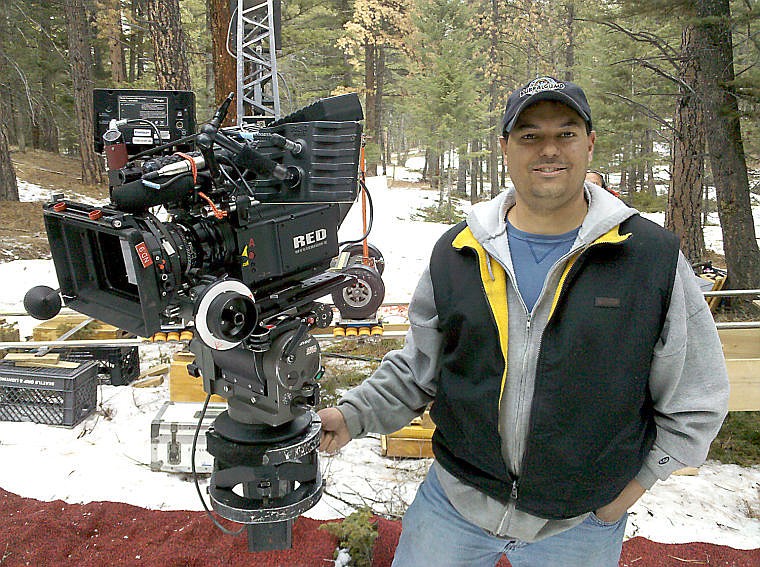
(404, 383)
(688, 382)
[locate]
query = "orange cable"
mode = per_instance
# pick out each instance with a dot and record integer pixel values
(217, 213)
(193, 166)
(362, 171)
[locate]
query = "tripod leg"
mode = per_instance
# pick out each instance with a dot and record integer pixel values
(270, 536)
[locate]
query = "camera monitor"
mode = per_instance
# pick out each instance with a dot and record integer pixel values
(150, 117)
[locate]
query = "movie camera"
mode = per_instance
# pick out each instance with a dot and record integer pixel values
(233, 235)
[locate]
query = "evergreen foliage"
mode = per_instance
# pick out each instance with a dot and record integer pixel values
(434, 74)
(356, 533)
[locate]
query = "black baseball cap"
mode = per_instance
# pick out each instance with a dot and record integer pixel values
(545, 88)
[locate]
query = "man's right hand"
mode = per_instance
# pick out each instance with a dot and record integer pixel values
(335, 433)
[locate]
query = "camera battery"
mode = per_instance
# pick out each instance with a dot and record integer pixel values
(171, 437)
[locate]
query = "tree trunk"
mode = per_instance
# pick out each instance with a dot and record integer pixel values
(370, 106)
(724, 139)
(8, 184)
(494, 148)
(225, 70)
(474, 165)
(18, 108)
(80, 65)
(494, 152)
(136, 39)
(684, 210)
(169, 46)
(570, 46)
(647, 167)
(113, 33)
(464, 165)
(380, 86)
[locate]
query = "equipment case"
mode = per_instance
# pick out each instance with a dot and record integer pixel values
(171, 437)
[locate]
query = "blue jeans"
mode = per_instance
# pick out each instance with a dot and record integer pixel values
(434, 534)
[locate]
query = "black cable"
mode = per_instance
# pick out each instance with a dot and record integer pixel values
(148, 122)
(174, 179)
(240, 174)
(195, 475)
(371, 217)
(151, 151)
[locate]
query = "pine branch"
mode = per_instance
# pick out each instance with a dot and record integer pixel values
(669, 53)
(644, 110)
(659, 71)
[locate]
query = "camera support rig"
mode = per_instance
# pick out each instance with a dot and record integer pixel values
(242, 252)
(267, 440)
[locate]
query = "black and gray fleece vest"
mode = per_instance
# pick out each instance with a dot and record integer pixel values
(591, 423)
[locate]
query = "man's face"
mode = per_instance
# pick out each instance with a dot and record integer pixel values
(547, 153)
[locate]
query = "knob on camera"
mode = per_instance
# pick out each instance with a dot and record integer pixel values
(226, 314)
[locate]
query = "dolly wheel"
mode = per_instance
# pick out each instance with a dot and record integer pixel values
(356, 253)
(362, 296)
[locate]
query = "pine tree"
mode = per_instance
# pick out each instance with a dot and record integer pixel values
(714, 46)
(79, 40)
(8, 185)
(169, 44)
(377, 26)
(444, 105)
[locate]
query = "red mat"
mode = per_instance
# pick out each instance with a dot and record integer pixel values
(108, 533)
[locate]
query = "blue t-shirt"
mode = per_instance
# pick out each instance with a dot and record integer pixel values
(533, 255)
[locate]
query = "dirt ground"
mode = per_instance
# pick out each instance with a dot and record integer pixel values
(22, 230)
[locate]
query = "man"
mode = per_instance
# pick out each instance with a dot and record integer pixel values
(598, 178)
(570, 358)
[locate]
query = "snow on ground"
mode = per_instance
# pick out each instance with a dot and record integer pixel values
(108, 458)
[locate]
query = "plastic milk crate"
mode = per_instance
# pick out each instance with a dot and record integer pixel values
(49, 395)
(118, 366)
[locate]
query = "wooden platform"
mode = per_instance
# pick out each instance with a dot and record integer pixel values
(182, 386)
(8, 331)
(741, 348)
(96, 330)
(414, 440)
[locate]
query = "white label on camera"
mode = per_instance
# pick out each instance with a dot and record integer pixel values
(142, 141)
(129, 265)
(309, 240)
(142, 132)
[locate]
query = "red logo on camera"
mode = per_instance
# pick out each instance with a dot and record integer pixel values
(142, 252)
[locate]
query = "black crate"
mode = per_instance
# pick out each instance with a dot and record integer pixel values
(49, 395)
(117, 365)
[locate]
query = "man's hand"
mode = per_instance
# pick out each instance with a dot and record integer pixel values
(613, 511)
(335, 433)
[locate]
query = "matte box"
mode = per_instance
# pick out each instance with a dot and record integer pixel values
(171, 437)
(49, 395)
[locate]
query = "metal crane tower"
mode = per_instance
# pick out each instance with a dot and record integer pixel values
(257, 24)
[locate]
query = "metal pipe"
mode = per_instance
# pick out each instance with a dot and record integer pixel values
(731, 292)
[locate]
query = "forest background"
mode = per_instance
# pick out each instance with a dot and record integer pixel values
(674, 86)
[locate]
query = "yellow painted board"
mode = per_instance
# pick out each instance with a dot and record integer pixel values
(182, 386)
(413, 432)
(744, 377)
(414, 448)
(52, 329)
(740, 343)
